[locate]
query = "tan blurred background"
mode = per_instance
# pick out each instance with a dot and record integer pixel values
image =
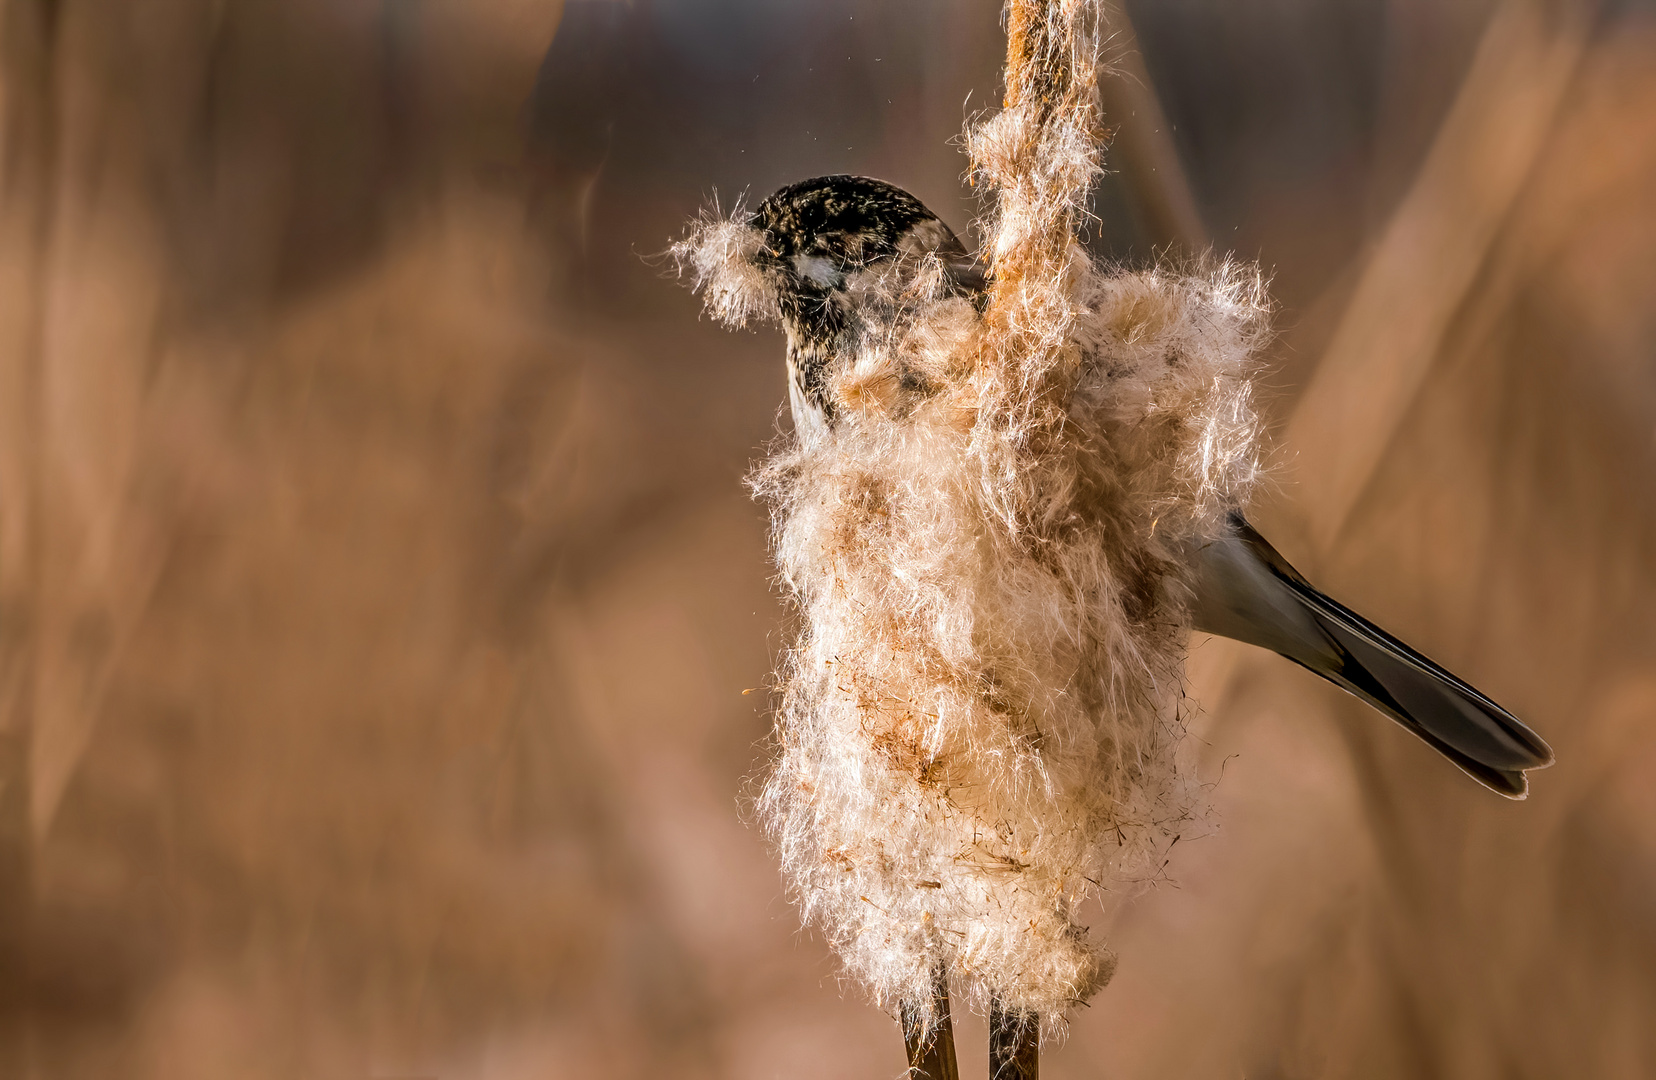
(378, 593)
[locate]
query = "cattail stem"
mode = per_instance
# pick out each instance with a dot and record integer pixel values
(988, 662)
(931, 1052)
(1014, 1044)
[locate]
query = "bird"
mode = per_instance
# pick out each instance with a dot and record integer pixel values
(901, 797)
(819, 234)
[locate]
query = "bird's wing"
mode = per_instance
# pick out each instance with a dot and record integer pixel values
(1246, 591)
(967, 274)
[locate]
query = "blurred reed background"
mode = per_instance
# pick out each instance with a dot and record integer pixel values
(378, 592)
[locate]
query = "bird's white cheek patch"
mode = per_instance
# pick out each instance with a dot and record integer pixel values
(817, 270)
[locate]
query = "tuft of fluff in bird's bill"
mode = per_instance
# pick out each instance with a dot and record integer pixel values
(980, 716)
(717, 253)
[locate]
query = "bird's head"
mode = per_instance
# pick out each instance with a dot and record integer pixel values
(830, 247)
(820, 234)
(827, 257)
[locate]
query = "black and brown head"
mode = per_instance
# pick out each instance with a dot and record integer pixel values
(820, 238)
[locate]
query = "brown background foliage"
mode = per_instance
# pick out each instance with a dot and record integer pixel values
(378, 593)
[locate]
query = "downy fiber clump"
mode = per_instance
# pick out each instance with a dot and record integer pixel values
(979, 716)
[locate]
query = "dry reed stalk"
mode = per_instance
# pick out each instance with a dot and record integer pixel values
(980, 715)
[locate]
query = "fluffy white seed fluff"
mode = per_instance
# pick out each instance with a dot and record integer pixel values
(719, 257)
(979, 716)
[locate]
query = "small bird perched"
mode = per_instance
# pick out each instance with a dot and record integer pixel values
(1001, 516)
(1012, 495)
(821, 233)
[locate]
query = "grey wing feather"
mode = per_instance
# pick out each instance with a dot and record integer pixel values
(1246, 591)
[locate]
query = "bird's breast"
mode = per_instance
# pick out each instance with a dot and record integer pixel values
(808, 374)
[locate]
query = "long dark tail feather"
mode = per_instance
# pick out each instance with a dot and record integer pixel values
(1246, 591)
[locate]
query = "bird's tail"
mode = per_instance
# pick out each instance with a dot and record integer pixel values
(1246, 591)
